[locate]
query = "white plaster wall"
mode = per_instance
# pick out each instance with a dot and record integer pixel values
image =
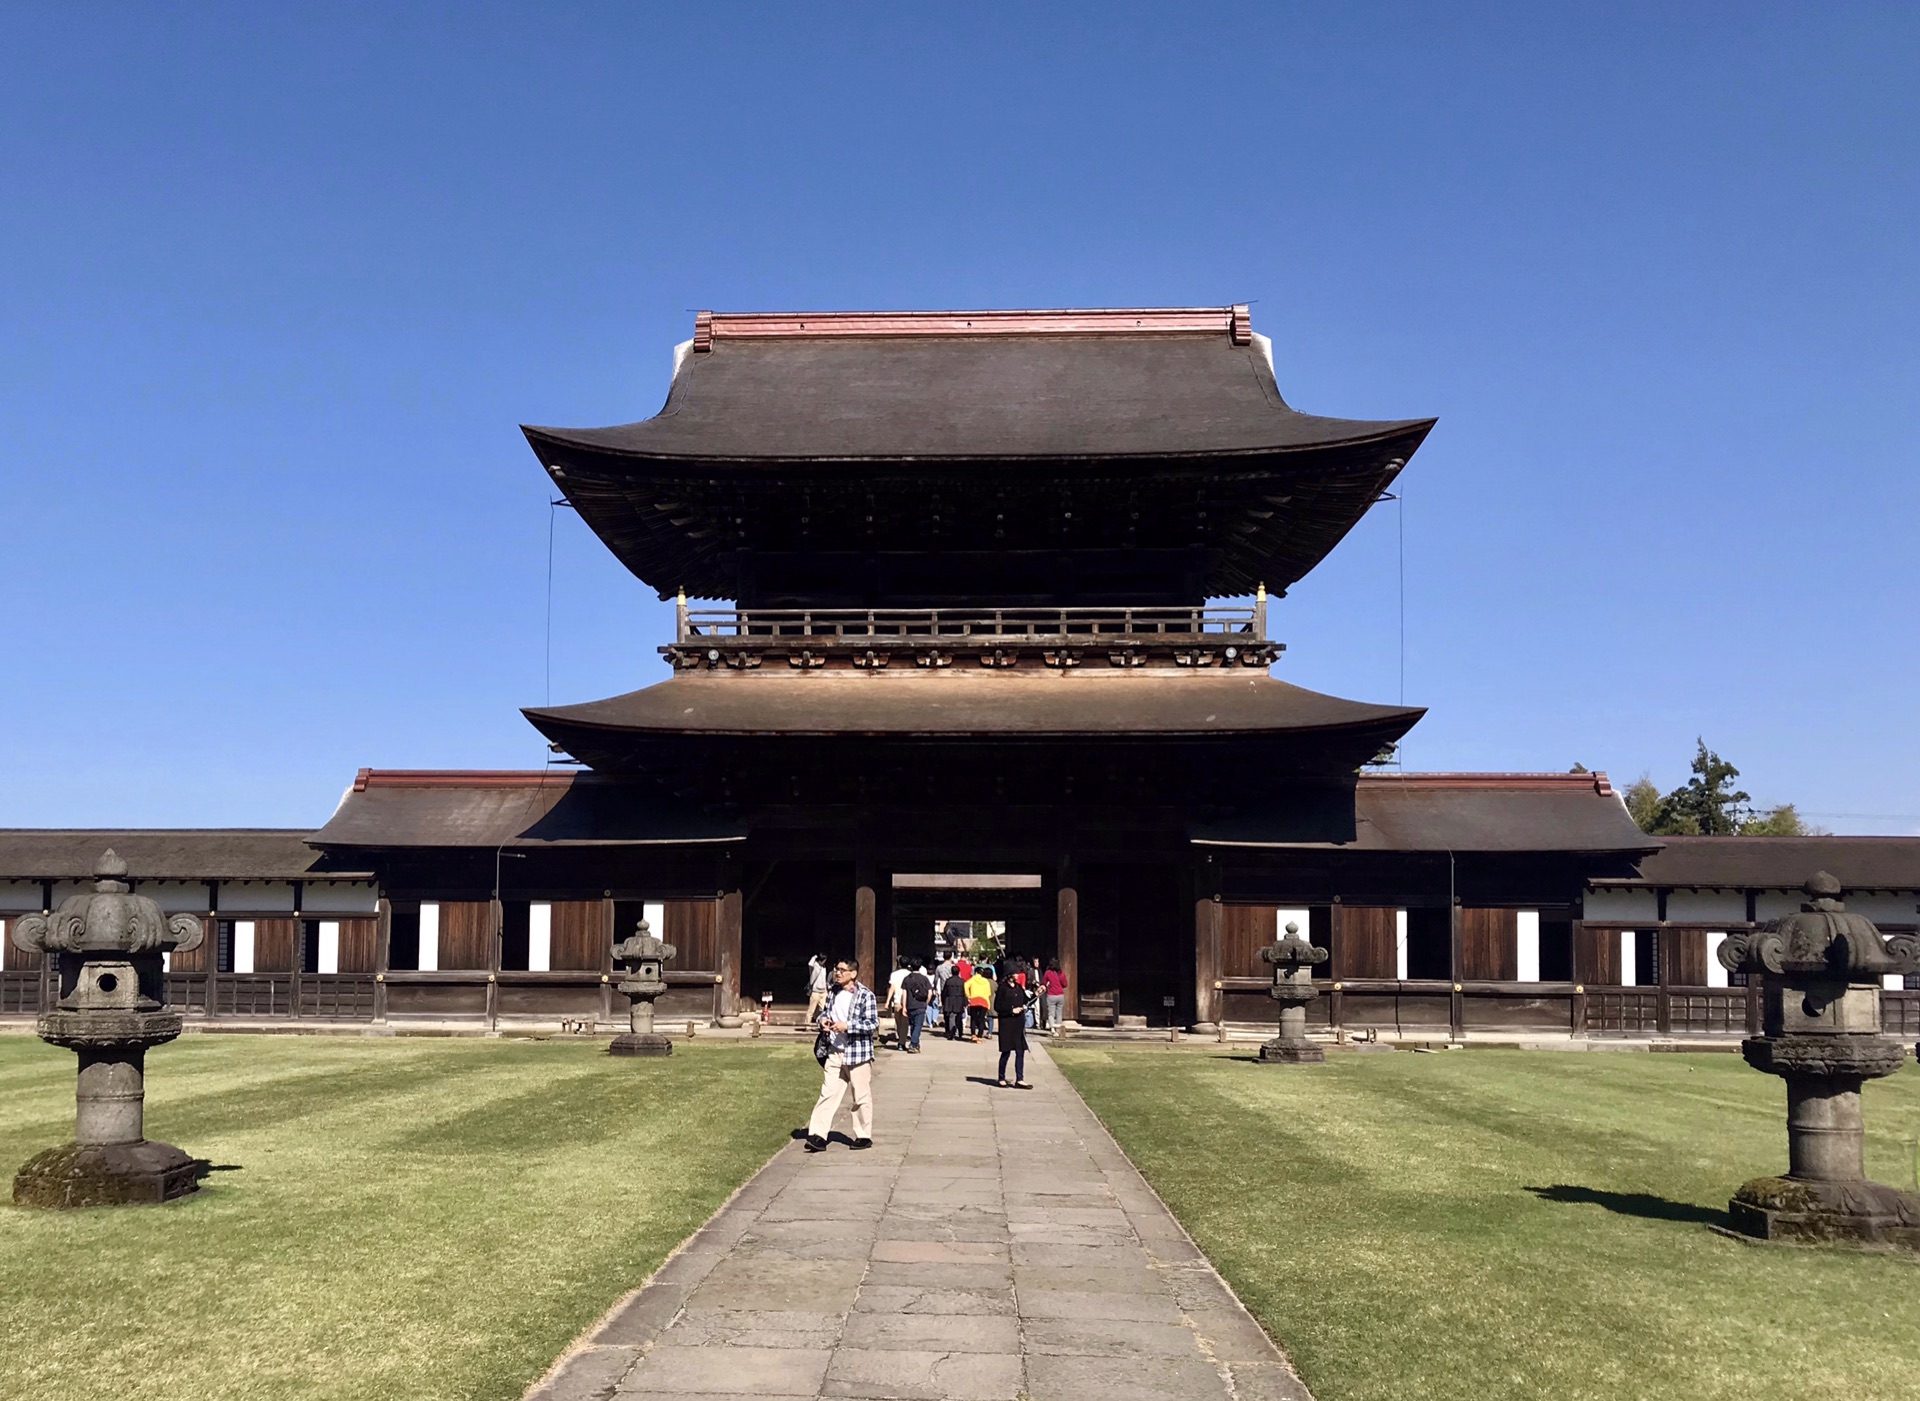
(1611, 906)
(257, 897)
(1698, 906)
(1716, 975)
(340, 898)
(429, 936)
(20, 896)
(1629, 974)
(1879, 906)
(1303, 918)
(1527, 964)
(1884, 908)
(656, 918)
(539, 937)
(243, 946)
(1893, 982)
(1400, 944)
(329, 946)
(176, 896)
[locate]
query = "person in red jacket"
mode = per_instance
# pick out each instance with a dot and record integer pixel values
(1053, 991)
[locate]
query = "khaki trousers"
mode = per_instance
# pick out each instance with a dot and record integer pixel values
(834, 1085)
(815, 1001)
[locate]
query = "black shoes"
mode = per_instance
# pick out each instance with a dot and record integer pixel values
(819, 1145)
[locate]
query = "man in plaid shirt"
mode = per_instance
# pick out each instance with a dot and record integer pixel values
(850, 1018)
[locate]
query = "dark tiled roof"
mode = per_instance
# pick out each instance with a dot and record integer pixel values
(204, 853)
(672, 730)
(963, 702)
(1466, 813)
(1018, 397)
(983, 447)
(389, 808)
(1785, 863)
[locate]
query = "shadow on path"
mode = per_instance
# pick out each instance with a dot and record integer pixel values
(1642, 1204)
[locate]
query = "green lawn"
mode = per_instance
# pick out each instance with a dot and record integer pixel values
(1479, 1225)
(417, 1219)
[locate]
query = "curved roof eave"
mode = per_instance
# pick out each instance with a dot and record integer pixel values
(626, 442)
(985, 708)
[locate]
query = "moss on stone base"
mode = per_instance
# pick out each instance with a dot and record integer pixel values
(121, 1174)
(1826, 1213)
(640, 1043)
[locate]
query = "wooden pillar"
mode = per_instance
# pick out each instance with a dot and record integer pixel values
(865, 917)
(496, 912)
(296, 975)
(1336, 962)
(1206, 945)
(606, 955)
(382, 954)
(1662, 997)
(1456, 1000)
(1066, 933)
(728, 922)
(49, 976)
(1662, 1007)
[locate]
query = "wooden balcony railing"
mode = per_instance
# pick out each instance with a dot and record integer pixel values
(1232, 635)
(867, 626)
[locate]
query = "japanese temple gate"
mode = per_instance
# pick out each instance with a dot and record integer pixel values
(973, 619)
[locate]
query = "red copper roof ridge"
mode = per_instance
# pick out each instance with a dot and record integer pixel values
(1595, 779)
(458, 778)
(1236, 322)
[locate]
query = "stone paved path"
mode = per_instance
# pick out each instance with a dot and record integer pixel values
(993, 1244)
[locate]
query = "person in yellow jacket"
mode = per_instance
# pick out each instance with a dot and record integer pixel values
(979, 999)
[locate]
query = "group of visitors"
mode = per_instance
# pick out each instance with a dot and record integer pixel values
(972, 1000)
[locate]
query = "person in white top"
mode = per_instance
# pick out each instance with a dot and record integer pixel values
(816, 986)
(896, 1002)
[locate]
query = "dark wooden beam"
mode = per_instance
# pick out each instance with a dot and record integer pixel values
(606, 955)
(496, 923)
(1206, 943)
(1456, 1004)
(1336, 963)
(382, 954)
(865, 915)
(1067, 933)
(729, 921)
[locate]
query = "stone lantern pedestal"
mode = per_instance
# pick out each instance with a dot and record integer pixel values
(1293, 959)
(1822, 971)
(111, 1010)
(644, 958)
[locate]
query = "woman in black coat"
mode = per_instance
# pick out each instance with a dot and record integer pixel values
(1010, 1001)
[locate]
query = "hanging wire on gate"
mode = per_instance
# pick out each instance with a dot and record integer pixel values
(553, 510)
(1400, 518)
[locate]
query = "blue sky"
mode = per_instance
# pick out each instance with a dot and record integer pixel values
(277, 283)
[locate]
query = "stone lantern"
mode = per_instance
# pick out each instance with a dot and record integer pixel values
(1822, 971)
(111, 1008)
(1293, 959)
(644, 957)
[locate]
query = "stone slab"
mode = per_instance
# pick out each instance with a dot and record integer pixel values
(991, 1246)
